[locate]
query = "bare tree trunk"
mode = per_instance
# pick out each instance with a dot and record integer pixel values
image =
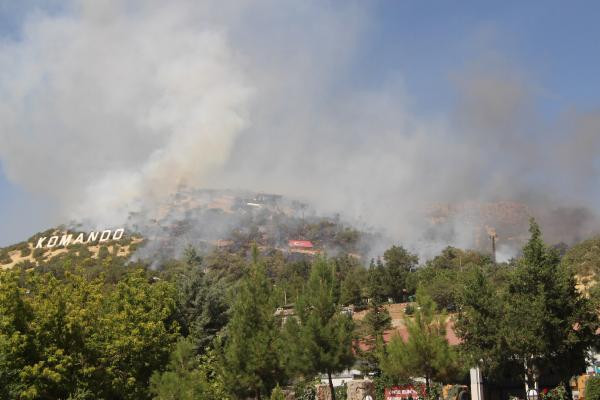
(257, 391)
(331, 386)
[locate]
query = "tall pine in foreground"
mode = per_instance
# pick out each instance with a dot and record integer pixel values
(548, 324)
(398, 264)
(377, 287)
(201, 302)
(320, 339)
(478, 325)
(536, 325)
(426, 352)
(251, 354)
(188, 376)
(373, 326)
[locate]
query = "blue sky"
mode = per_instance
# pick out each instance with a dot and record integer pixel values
(555, 44)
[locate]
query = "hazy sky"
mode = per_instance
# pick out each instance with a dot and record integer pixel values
(428, 78)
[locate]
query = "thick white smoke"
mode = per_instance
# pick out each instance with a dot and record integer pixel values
(108, 106)
(104, 107)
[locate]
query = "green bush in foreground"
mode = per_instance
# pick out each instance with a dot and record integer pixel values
(188, 376)
(70, 338)
(592, 388)
(277, 394)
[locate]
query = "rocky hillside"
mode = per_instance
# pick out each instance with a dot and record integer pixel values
(235, 220)
(205, 219)
(27, 254)
(508, 222)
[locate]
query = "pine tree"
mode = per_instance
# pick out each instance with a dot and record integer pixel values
(320, 341)
(542, 308)
(252, 350)
(376, 322)
(351, 291)
(537, 323)
(202, 305)
(398, 264)
(188, 376)
(426, 352)
(377, 289)
(478, 324)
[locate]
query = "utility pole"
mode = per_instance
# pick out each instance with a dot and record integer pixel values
(492, 234)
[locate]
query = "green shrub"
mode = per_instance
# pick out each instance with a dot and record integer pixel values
(592, 388)
(25, 251)
(435, 392)
(341, 392)
(558, 393)
(84, 252)
(103, 253)
(18, 246)
(25, 265)
(277, 394)
(305, 390)
(409, 310)
(81, 394)
(38, 253)
(4, 257)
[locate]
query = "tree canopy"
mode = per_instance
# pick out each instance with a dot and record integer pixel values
(252, 351)
(425, 352)
(320, 339)
(536, 325)
(226, 323)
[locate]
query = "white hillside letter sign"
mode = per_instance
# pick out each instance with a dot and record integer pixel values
(105, 236)
(65, 240)
(40, 243)
(52, 242)
(79, 239)
(92, 237)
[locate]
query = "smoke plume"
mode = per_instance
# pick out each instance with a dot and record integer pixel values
(108, 107)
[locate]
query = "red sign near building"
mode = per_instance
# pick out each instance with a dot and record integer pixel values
(405, 392)
(305, 244)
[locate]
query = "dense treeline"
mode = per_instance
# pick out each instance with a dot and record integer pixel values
(78, 338)
(242, 324)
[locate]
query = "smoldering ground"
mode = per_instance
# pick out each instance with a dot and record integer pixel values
(107, 107)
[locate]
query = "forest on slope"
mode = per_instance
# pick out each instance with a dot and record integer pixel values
(84, 324)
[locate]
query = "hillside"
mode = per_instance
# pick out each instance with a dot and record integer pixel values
(473, 224)
(585, 259)
(235, 220)
(189, 283)
(207, 220)
(26, 255)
